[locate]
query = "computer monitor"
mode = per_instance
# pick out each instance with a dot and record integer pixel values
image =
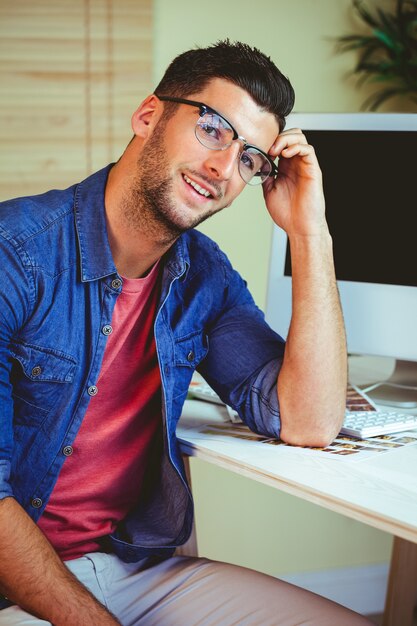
(369, 165)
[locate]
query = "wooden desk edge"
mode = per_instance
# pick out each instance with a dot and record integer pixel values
(328, 502)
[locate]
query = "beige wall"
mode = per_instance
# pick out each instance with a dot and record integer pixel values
(241, 521)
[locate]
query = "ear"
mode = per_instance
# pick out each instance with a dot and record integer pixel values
(146, 116)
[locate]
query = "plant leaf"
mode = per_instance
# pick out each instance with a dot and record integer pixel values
(364, 13)
(353, 42)
(388, 21)
(374, 102)
(389, 93)
(388, 41)
(387, 53)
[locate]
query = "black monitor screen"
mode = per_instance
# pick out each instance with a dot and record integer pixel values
(370, 186)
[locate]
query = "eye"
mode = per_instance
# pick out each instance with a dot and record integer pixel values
(212, 126)
(247, 160)
(209, 130)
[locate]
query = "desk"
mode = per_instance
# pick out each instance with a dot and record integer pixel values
(381, 491)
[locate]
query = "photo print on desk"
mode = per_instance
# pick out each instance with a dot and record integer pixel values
(343, 446)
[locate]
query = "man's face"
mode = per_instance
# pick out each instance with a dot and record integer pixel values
(184, 182)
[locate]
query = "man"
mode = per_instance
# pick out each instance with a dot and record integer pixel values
(109, 302)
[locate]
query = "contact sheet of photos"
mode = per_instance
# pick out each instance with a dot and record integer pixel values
(343, 446)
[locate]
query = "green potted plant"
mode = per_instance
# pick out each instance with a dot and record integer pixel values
(387, 51)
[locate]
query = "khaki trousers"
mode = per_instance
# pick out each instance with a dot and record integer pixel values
(187, 591)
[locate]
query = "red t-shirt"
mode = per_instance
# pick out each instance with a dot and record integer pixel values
(120, 434)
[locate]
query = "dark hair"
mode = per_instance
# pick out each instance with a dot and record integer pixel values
(246, 67)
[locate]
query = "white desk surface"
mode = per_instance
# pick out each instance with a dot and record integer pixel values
(381, 491)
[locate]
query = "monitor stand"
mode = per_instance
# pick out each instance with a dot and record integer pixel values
(400, 389)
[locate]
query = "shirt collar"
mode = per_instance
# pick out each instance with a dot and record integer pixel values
(90, 218)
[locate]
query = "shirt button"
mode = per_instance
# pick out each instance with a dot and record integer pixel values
(36, 371)
(190, 356)
(92, 390)
(107, 329)
(36, 503)
(116, 283)
(67, 450)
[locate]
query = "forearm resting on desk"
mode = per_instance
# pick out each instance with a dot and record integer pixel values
(34, 577)
(312, 382)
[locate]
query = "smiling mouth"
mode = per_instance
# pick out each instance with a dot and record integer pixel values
(197, 187)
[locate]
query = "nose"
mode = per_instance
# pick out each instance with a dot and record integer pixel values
(221, 164)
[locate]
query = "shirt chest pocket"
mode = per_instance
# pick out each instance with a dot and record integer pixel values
(189, 351)
(39, 377)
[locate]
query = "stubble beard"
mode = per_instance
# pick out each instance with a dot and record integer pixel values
(150, 207)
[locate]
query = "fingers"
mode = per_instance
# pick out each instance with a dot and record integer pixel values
(290, 143)
(299, 149)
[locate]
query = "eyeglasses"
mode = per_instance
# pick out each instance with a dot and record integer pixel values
(213, 131)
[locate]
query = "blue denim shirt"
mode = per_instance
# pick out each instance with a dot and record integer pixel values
(57, 296)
